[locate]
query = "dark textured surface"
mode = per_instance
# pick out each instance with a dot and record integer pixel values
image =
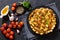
(34, 3)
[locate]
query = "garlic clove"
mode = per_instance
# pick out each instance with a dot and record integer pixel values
(16, 19)
(11, 18)
(18, 31)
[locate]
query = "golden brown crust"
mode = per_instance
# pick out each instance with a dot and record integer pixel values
(42, 20)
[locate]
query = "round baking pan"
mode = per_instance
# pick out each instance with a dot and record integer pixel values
(56, 26)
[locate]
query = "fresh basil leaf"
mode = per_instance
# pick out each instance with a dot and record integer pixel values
(26, 4)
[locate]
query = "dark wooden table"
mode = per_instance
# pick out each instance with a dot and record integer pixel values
(34, 3)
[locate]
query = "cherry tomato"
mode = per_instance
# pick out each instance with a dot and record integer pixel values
(10, 26)
(13, 8)
(12, 22)
(12, 33)
(7, 35)
(8, 30)
(16, 23)
(14, 4)
(5, 25)
(11, 37)
(4, 32)
(14, 26)
(19, 26)
(2, 28)
(21, 23)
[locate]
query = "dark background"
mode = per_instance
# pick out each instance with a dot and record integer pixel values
(34, 4)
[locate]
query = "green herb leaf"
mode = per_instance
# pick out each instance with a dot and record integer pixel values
(47, 21)
(43, 18)
(26, 4)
